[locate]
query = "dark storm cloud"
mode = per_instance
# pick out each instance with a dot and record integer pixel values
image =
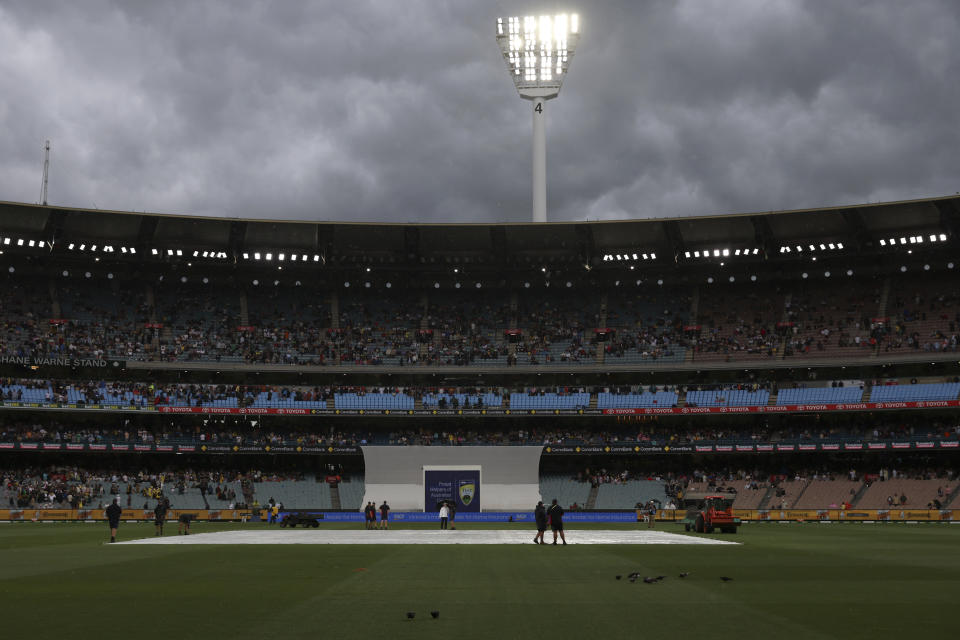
(403, 111)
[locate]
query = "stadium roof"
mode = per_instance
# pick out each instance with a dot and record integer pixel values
(859, 229)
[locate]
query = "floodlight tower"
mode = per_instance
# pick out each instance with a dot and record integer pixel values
(538, 51)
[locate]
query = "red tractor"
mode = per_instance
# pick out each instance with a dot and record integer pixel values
(712, 512)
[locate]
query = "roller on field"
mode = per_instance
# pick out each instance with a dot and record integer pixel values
(711, 513)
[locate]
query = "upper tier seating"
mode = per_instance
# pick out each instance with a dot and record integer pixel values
(915, 392)
(549, 401)
(397, 401)
(819, 395)
(728, 398)
(658, 399)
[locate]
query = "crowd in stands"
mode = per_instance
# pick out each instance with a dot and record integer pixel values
(775, 487)
(915, 482)
(79, 487)
(186, 321)
(924, 316)
(756, 392)
(254, 431)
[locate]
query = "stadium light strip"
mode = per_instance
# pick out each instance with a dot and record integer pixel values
(917, 239)
(154, 251)
(629, 257)
(811, 247)
(721, 253)
(20, 242)
(104, 248)
(281, 256)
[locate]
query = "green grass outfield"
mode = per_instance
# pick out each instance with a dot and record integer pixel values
(811, 580)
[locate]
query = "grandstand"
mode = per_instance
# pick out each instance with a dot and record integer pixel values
(820, 395)
(625, 495)
(607, 400)
(564, 490)
(552, 336)
(910, 493)
(915, 392)
(829, 493)
(728, 398)
(307, 492)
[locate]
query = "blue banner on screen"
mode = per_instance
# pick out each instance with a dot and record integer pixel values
(458, 486)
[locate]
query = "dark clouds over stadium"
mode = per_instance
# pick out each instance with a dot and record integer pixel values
(403, 110)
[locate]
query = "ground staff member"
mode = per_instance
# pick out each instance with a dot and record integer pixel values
(556, 521)
(113, 513)
(160, 514)
(540, 515)
(384, 514)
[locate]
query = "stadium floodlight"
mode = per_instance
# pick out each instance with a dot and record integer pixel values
(538, 51)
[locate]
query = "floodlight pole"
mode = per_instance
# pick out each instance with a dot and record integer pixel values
(538, 51)
(539, 161)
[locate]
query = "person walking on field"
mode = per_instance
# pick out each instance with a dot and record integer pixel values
(444, 515)
(540, 515)
(556, 521)
(113, 513)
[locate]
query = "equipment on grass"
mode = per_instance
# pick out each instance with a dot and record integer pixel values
(293, 519)
(710, 513)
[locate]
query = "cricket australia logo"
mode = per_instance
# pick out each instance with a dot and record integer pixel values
(466, 493)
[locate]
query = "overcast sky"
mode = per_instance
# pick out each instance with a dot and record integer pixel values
(402, 110)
